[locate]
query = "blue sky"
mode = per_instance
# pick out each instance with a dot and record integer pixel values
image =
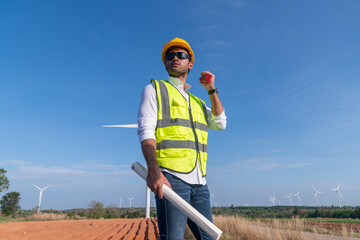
(287, 73)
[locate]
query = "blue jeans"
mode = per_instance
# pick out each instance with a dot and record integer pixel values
(171, 221)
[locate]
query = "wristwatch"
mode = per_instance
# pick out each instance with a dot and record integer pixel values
(212, 91)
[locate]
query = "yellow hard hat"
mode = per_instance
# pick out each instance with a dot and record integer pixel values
(178, 42)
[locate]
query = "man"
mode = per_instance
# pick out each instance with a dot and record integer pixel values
(173, 134)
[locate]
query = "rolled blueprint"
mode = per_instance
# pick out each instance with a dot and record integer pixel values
(182, 205)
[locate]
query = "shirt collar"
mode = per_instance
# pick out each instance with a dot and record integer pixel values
(178, 83)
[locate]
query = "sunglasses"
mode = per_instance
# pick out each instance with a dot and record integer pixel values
(179, 55)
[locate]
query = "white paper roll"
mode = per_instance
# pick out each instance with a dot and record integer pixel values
(182, 205)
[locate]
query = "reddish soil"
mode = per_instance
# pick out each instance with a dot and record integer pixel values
(336, 227)
(109, 229)
(332, 227)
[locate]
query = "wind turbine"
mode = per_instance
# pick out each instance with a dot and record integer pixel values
(40, 195)
(297, 195)
(147, 197)
(271, 201)
(120, 202)
(290, 199)
(274, 199)
(316, 192)
(130, 199)
(337, 190)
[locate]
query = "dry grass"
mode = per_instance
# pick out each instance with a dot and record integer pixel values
(235, 228)
(52, 217)
(240, 228)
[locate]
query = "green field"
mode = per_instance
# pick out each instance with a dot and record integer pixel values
(328, 220)
(334, 220)
(3, 218)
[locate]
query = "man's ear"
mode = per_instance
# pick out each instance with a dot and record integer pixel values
(190, 65)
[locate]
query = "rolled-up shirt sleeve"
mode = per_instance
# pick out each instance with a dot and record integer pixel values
(147, 114)
(216, 122)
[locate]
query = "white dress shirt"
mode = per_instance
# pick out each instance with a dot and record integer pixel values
(147, 120)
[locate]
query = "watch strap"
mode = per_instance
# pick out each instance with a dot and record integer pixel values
(212, 91)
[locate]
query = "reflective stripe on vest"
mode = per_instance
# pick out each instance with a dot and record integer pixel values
(181, 131)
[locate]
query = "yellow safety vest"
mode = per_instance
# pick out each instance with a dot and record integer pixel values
(181, 131)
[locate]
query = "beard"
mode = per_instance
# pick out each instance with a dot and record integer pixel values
(176, 71)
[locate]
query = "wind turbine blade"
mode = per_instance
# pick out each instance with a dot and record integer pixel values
(123, 126)
(37, 187)
(341, 195)
(46, 187)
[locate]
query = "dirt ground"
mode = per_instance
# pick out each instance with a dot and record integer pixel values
(336, 227)
(109, 229)
(113, 229)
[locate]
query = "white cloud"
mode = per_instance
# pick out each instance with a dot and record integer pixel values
(210, 27)
(18, 169)
(296, 165)
(264, 165)
(214, 43)
(323, 97)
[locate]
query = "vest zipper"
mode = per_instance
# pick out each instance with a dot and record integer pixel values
(196, 138)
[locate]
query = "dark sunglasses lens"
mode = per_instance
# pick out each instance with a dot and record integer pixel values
(180, 55)
(170, 56)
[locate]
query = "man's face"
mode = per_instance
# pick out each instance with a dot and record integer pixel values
(177, 67)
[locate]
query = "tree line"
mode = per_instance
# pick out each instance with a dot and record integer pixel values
(10, 206)
(10, 201)
(289, 212)
(97, 210)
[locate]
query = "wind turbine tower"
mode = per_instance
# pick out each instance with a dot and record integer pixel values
(147, 198)
(337, 190)
(316, 192)
(130, 199)
(297, 195)
(120, 202)
(40, 195)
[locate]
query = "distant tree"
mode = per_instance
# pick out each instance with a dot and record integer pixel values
(112, 211)
(96, 209)
(4, 182)
(10, 203)
(357, 212)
